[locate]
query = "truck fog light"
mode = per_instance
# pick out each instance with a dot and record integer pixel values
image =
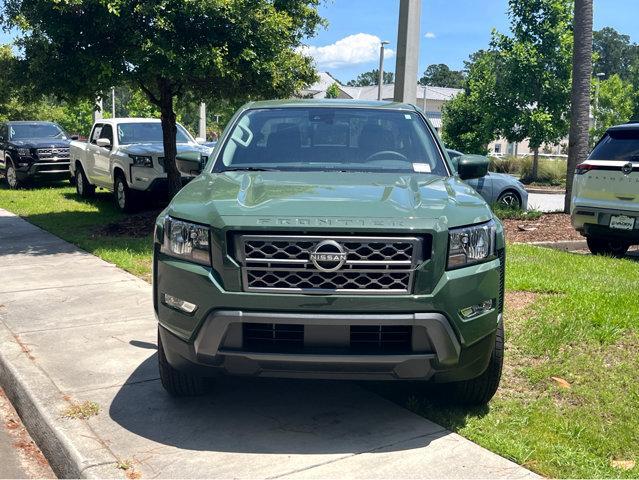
(179, 304)
(476, 310)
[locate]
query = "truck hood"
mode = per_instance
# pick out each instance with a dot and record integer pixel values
(270, 198)
(157, 149)
(41, 143)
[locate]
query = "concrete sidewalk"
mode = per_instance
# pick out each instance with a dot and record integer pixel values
(75, 328)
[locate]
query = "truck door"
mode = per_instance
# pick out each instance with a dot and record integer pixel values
(4, 138)
(102, 158)
(91, 150)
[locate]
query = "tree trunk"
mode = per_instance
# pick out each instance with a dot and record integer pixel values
(535, 165)
(580, 97)
(169, 131)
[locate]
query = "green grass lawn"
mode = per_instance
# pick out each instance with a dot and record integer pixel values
(568, 316)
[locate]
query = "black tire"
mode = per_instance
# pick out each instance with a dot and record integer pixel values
(608, 247)
(479, 391)
(82, 186)
(125, 198)
(176, 383)
(11, 176)
(509, 199)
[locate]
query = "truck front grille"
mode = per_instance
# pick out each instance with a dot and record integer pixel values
(331, 264)
(53, 154)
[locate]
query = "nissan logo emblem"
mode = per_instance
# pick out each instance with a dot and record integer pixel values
(627, 168)
(328, 256)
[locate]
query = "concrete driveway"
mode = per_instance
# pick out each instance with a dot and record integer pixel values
(74, 328)
(546, 202)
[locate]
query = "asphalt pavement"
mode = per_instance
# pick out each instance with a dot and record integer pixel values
(76, 329)
(546, 202)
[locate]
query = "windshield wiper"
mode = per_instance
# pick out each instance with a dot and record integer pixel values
(251, 169)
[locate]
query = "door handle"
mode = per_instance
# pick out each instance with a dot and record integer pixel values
(627, 199)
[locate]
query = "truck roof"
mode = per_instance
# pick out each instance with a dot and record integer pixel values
(128, 120)
(28, 122)
(338, 102)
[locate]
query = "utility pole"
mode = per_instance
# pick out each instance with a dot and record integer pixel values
(407, 51)
(112, 102)
(597, 87)
(98, 108)
(202, 129)
(380, 82)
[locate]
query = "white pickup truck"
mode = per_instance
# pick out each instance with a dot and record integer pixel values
(126, 156)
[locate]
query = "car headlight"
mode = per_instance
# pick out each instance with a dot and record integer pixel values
(142, 161)
(470, 245)
(186, 240)
(24, 152)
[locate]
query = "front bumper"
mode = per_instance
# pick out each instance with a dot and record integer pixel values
(595, 222)
(26, 169)
(443, 346)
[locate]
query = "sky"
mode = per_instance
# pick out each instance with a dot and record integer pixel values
(450, 31)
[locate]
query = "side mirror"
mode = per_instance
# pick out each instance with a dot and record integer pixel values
(200, 140)
(103, 142)
(75, 137)
(189, 163)
(472, 166)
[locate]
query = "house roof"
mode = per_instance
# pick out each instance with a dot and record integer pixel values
(318, 89)
(388, 92)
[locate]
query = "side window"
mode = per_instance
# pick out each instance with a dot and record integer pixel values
(4, 132)
(97, 130)
(107, 132)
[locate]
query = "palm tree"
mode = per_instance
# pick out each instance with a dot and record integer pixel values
(580, 97)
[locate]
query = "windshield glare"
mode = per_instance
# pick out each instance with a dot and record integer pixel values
(129, 133)
(24, 131)
(331, 139)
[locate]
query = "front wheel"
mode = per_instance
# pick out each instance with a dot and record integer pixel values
(12, 176)
(125, 198)
(509, 199)
(175, 382)
(479, 391)
(603, 246)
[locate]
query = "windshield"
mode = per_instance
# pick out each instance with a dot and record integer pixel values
(619, 145)
(25, 131)
(147, 133)
(331, 139)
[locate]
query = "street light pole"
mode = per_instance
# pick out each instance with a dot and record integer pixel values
(597, 84)
(380, 81)
(112, 102)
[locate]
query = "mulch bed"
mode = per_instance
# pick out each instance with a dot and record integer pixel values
(135, 226)
(550, 227)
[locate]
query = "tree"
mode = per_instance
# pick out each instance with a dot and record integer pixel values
(333, 91)
(614, 53)
(534, 83)
(615, 104)
(468, 124)
(580, 96)
(442, 76)
(370, 78)
(212, 48)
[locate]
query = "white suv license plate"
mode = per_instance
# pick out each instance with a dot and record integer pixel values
(622, 222)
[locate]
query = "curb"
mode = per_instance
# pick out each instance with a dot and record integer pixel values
(563, 245)
(546, 191)
(51, 434)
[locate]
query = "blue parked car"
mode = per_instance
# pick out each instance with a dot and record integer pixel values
(497, 188)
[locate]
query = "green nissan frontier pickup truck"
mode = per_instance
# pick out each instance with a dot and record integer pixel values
(331, 239)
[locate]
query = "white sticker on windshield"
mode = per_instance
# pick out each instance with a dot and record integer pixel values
(421, 168)
(408, 116)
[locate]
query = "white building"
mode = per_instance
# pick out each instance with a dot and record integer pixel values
(430, 99)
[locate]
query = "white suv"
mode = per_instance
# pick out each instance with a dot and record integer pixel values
(605, 196)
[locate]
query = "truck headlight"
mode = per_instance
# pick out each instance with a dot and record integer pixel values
(142, 161)
(24, 152)
(470, 245)
(186, 240)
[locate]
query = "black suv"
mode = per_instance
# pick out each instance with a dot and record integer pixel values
(30, 150)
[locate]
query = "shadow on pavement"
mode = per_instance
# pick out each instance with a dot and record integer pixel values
(252, 415)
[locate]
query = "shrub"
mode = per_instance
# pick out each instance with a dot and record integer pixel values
(509, 164)
(550, 172)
